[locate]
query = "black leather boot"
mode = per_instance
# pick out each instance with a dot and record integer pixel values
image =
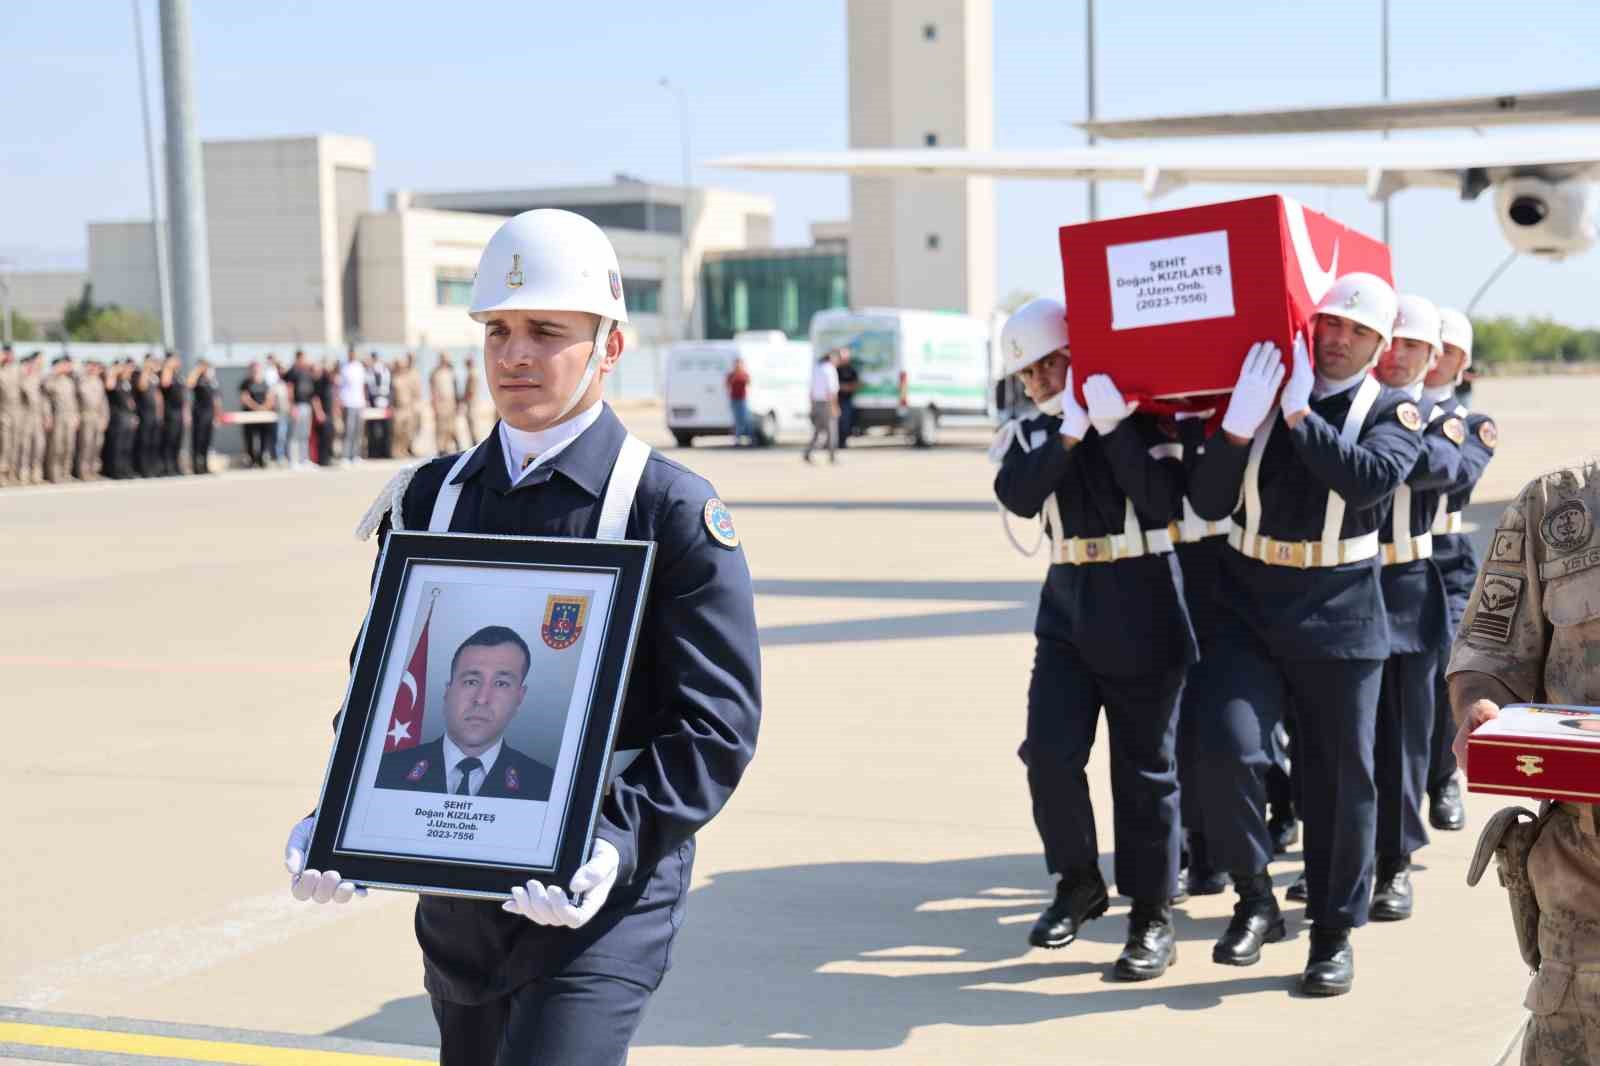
(1152, 945)
(1080, 897)
(1331, 969)
(1202, 879)
(1445, 810)
(1285, 831)
(1256, 921)
(1299, 891)
(1391, 895)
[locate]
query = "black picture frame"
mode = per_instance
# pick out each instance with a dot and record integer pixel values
(624, 565)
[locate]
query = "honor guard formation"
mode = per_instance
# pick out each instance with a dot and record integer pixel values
(1262, 599)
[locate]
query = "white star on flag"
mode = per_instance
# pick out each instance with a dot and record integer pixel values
(400, 731)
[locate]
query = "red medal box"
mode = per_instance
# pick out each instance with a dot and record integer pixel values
(1545, 751)
(1168, 303)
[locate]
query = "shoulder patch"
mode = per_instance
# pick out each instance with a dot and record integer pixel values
(1567, 526)
(719, 523)
(1409, 416)
(1489, 434)
(1455, 429)
(1496, 609)
(1506, 547)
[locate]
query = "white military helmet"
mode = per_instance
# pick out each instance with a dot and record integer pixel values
(1455, 328)
(1033, 331)
(548, 260)
(1416, 318)
(552, 260)
(1364, 298)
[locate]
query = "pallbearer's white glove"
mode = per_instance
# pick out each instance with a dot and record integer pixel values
(1297, 393)
(1259, 379)
(310, 884)
(1074, 419)
(550, 906)
(1107, 408)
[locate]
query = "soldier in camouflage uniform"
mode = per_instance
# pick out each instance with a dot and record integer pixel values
(94, 412)
(31, 428)
(10, 415)
(61, 397)
(1532, 634)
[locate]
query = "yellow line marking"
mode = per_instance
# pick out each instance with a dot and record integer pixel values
(174, 1047)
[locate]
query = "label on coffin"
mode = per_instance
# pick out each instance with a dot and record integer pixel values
(1176, 279)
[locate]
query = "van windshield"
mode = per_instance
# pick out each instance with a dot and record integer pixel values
(872, 350)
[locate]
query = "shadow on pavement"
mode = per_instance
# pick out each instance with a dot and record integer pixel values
(1022, 597)
(854, 955)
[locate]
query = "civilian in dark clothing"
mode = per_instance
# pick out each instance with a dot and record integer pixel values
(175, 404)
(203, 386)
(124, 426)
(147, 400)
(322, 407)
(301, 378)
(253, 396)
(849, 382)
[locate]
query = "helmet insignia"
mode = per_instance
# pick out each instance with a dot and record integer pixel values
(1354, 300)
(514, 277)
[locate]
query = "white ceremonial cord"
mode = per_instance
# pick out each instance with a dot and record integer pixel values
(1005, 524)
(388, 502)
(1003, 440)
(1516, 1038)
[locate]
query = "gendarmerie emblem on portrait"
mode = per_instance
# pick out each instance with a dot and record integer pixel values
(474, 743)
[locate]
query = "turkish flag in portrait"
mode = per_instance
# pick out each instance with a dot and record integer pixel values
(405, 721)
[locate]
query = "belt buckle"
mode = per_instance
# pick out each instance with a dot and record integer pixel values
(1286, 553)
(1097, 550)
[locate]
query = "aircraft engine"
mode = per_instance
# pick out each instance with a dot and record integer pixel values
(1549, 219)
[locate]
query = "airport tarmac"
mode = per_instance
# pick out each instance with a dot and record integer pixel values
(172, 652)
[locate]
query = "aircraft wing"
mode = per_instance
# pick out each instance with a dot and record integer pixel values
(1382, 167)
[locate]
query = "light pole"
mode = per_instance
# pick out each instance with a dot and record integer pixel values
(157, 231)
(1386, 100)
(686, 213)
(5, 298)
(1088, 48)
(186, 196)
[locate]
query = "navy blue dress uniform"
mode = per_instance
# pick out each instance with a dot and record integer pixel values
(1303, 622)
(1199, 545)
(1457, 562)
(1112, 631)
(1414, 598)
(422, 769)
(498, 981)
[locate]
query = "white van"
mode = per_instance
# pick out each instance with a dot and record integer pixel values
(919, 369)
(779, 394)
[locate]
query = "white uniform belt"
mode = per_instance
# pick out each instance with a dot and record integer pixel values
(1303, 554)
(1409, 550)
(1449, 522)
(1076, 551)
(1190, 532)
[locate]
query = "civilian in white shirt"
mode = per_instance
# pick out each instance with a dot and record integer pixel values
(824, 407)
(353, 401)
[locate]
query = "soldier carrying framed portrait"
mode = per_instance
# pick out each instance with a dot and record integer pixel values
(475, 743)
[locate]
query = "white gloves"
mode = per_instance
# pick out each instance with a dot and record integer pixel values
(309, 884)
(1184, 416)
(1259, 378)
(1074, 419)
(1297, 393)
(550, 906)
(1107, 408)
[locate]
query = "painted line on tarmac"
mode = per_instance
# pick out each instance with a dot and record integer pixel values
(160, 955)
(20, 492)
(101, 1041)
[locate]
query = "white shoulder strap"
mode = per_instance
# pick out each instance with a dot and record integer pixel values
(625, 474)
(1333, 516)
(1252, 484)
(444, 504)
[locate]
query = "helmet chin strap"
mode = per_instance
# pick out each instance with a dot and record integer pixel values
(601, 334)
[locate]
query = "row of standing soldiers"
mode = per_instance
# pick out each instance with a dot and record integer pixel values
(70, 422)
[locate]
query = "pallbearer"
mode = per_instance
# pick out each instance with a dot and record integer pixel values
(1112, 631)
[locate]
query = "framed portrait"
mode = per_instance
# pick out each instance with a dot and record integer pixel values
(475, 743)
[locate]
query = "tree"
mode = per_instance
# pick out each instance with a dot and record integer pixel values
(78, 312)
(1505, 340)
(84, 320)
(23, 329)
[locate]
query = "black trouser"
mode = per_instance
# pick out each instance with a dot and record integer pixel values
(1442, 756)
(1064, 702)
(325, 456)
(256, 445)
(1195, 687)
(1335, 703)
(1402, 745)
(171, 444)
(568, 1020)
(200, 443)
(378, 435)
(847, 419)
(148, 448)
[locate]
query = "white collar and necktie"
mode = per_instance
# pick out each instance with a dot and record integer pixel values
(526, 451)
(477, 768)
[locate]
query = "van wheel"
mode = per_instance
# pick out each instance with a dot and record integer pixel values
(767, 429)
(925, 431)
(685, 440)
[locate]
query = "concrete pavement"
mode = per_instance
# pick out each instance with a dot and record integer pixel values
(171, 653)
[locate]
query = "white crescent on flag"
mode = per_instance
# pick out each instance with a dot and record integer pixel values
(1318, 281)
(407, 681)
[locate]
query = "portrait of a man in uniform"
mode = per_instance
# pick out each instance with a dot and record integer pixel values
(487, 688)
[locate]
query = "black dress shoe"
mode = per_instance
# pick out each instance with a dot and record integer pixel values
(1256, 921)
(1285, 832)
(1079, 899)
(1445, 810)
(1331, 969)
(1152, 945)
(1391, 895)
(1298, 891)
(1201, 878)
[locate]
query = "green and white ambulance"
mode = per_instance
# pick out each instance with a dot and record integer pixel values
(920, 370)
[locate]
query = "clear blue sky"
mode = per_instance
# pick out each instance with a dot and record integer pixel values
(482, 94)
